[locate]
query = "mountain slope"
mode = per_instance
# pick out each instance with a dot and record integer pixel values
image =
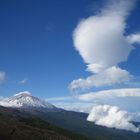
(76, 122)
(14, 126)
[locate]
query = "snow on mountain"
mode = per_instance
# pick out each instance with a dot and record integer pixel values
(25, 99)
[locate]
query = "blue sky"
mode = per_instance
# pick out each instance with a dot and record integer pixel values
(36, 43)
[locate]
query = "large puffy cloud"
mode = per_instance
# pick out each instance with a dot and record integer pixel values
(110, 76)
(127, 99)
(113, 117)
(101, 42)
(100, 39)
(115, 108)
(2, 76)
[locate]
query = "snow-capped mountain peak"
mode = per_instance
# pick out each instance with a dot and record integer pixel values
(25, 99)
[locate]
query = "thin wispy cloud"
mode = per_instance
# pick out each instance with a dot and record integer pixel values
(2, 76)
(71, 103)
(23, 81)
(55, 99)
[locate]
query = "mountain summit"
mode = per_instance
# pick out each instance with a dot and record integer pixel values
(25, 99)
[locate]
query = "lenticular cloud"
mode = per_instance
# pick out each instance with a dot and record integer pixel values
(101, 42)
(100, 39)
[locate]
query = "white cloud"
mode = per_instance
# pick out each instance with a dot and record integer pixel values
(105, 113)
(101, 41)
(108, 77)
(134, 38)
(22, 93)
(2, 76)
(124, 92)
(95, 68)
(113, 117)
(24, 81)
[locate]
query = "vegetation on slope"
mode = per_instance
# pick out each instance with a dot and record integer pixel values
(13, 127)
